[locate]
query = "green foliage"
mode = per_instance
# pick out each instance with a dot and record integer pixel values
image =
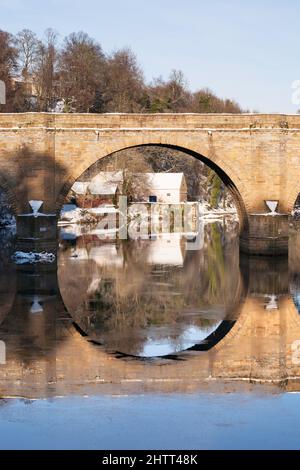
(215, 192)
(98, 105)
(216, 266)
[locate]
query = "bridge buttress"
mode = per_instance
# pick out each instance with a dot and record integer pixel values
(265, 234)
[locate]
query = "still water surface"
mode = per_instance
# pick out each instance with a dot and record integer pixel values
(152, 296)
(175, 331)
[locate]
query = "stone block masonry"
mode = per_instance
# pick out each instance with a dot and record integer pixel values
(256, 155)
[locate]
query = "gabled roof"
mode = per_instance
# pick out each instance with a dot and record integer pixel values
(165, 180)
(98, 187)
(80, 187)
(108, 177)
(94, 187)
(106, 182)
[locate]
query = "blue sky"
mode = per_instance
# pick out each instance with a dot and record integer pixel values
(243, 50)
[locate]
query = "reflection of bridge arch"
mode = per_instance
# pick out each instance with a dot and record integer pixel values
(214, 340)
(43, 154)
(228, 174)
(258, 348)
(79, 365)
(75, 287)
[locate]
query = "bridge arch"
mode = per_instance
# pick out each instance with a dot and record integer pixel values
(293, 195)
(230, 319)
(227, 174)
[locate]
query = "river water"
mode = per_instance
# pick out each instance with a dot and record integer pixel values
(164, 331)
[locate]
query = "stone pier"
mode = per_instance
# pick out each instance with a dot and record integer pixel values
(266, 234)
(37, 234)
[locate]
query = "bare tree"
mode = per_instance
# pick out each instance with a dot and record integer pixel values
(171, 95)
(124, 87)
(8, 67)
(46, 70)
(205, 101)
(128, 163)
(27, 45)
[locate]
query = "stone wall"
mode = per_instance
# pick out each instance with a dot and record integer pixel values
(258, 156)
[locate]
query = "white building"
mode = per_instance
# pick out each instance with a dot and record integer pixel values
(166, 248)
(168, 188)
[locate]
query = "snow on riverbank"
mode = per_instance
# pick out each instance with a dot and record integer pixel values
(21, 257)
(205, 210)
(72, 214)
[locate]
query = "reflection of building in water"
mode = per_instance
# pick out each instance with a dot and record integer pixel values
(166, 248)
(162, 248)
(103, 255)
(151, 289)
(262, 346)
(46, 355)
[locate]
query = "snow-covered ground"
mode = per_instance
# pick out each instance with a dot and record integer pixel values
(21, 257)
(205, 210)
(72, 214)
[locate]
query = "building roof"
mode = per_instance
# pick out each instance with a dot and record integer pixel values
(108, 177)
(105, 183)
(80, 187)
(99, 187)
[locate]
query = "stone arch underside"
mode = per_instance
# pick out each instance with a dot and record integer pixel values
(104, 151)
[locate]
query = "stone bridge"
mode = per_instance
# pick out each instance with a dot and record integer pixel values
(257, 157)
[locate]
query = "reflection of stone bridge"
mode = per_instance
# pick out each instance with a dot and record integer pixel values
(257, 156)
(46, 355)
